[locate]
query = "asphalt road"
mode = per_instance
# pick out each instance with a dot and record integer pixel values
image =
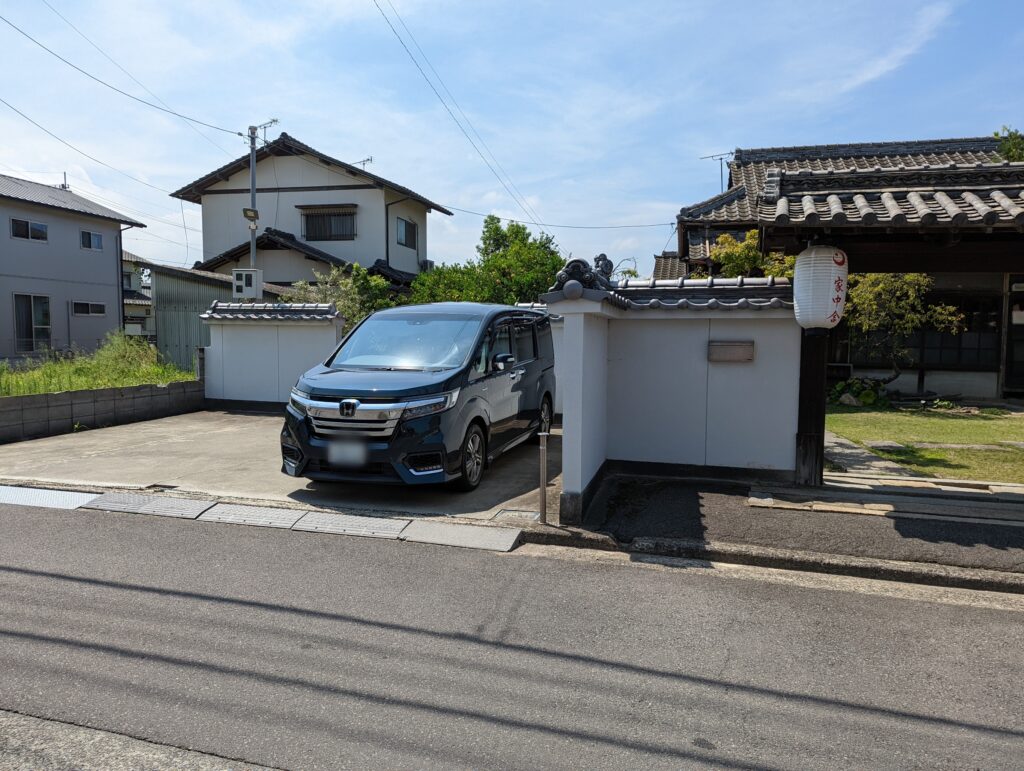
(303, 650)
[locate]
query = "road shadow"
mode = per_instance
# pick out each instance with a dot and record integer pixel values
(511, 482)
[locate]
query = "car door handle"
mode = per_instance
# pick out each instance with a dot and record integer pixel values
(516, 374)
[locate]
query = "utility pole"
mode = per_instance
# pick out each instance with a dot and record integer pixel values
(252, 195)
(252, 214)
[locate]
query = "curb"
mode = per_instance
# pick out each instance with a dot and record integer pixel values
(931, 574)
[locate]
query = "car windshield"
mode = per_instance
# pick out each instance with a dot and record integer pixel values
(410, 341)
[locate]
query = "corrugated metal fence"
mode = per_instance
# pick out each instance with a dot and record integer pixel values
(177, 305)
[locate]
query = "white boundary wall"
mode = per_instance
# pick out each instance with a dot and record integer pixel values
(637, 386)
(260, 360)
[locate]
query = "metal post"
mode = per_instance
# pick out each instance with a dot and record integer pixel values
(543, 477)
(252, 193)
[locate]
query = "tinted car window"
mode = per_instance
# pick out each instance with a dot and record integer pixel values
(544, 342)
(525, 347)
(502, 341)
(409, 340)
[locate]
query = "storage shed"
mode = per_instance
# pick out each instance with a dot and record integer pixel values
(674, 377)
(258, 350)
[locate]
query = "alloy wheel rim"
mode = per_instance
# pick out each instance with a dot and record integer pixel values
(545, 418)
(474, 458)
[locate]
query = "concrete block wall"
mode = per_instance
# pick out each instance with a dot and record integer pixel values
(38, 415)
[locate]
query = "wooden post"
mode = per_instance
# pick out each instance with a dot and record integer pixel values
(810, 430)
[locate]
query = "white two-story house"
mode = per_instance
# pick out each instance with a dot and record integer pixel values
(314, 212)
(60, 269)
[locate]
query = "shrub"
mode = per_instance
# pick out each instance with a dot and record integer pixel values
(870, 392)
(121, 361)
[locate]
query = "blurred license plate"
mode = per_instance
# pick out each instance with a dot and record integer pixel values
(346, 453)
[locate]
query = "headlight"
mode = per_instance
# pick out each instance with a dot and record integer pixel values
(296, 401)
(429, 406)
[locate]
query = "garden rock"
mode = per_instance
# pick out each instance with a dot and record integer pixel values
(849, 400)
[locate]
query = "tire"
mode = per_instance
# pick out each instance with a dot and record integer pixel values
(473, 459)
(547, 415)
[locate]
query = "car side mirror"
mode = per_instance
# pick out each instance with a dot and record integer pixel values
(501, 361)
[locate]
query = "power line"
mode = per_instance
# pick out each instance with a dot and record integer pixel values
(115, 88)
(81, 152)
(570, 227)
(530, 217)
(134, 79)
(459, 108)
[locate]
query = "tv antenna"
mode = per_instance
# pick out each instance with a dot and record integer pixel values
(720, 157)
(364, 162)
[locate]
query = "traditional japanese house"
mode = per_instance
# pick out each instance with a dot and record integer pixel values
(952, 208)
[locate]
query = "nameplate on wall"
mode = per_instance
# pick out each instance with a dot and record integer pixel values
(731, 350)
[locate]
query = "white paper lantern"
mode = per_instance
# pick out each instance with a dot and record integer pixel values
(819, 287)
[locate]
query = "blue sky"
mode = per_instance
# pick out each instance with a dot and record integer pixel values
(598, 111)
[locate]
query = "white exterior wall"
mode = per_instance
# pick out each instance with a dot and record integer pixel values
(638, 386)
(279, 266)
(402, 257)
(657, 389)
(557, 337)
(668, 404)
(62, 270)
(585, 361)
(224, 227)
(261, 360)
(753, 406)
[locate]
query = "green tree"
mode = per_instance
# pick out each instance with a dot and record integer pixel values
(1011, 143)
(512, 265)
(744, 258)
(353, 290)
(886, 308)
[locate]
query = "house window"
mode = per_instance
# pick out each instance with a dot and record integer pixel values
(406, 233)
(88, 309)
(30, 231)
(329, 226)
(126, 279)
(31, 323)
(92, 240)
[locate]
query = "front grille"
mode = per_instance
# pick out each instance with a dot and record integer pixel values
(369, 420)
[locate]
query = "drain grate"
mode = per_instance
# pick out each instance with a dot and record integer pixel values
(262, 516)
(50, 499)
(163, 506)
(346, 524)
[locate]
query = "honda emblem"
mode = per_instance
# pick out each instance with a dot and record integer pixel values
(348, 408)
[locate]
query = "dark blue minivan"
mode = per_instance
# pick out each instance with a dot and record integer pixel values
(423, 394)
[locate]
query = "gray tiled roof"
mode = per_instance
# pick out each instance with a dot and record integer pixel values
(52, 197)
(135, 297)
(977, 195)
(271, 238)
(271, 311)
(724, 294)
(192, 274)
(579, 279)
(288, 145)
(749, 169)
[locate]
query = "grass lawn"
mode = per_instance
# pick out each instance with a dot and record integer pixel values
(862, 425)
(121, 361)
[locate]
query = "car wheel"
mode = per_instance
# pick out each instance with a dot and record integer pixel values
(474, 456)
(546, 418)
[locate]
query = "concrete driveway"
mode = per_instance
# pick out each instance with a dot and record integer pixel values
(236, 455)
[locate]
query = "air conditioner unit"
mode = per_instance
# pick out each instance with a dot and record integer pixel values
(247, 284)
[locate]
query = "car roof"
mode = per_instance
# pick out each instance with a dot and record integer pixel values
(484, 310)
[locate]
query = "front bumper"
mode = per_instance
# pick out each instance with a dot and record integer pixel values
(408, 456)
